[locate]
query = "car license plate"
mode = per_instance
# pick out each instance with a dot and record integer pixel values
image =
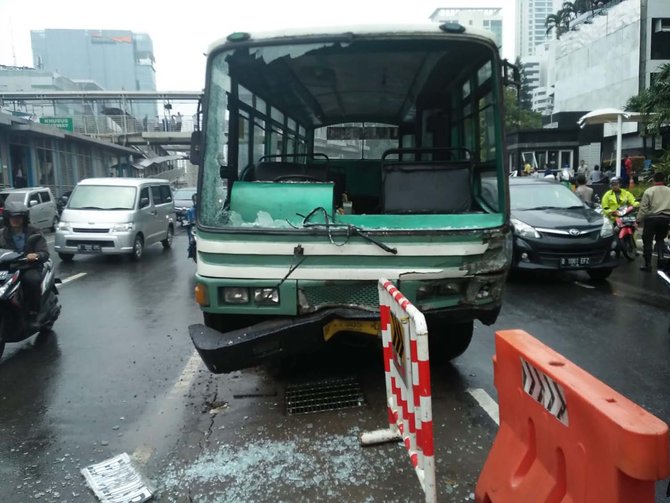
(575, 261)
(88, 248)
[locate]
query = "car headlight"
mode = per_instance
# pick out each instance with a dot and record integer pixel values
(235, 295)
(606, 230)
(64, 226)
(128, 226)
(524, 230)
(266, 295)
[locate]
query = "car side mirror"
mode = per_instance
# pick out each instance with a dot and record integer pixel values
(144, 202)
(194, 154)
(33, 202)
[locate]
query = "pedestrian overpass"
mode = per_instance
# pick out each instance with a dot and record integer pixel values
(117, 116)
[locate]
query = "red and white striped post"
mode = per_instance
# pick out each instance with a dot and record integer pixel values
(407, 372)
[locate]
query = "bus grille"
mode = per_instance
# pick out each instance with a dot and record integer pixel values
(359, 294)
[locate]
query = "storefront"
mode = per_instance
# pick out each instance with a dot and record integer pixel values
(33, 154)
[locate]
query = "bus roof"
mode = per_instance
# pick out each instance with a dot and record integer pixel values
(425, 29)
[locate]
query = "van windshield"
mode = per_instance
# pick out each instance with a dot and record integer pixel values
(102, 197)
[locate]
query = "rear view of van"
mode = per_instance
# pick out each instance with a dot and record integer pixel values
(116, 216)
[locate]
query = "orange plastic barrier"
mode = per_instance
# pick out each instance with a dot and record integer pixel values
(566, 437)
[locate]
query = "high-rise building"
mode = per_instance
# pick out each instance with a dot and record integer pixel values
(487, 18)
(531, 30)
(117, 60)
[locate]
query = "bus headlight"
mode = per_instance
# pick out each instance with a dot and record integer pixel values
(266, 295)
(235, 295)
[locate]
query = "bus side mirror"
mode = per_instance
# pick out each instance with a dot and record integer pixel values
(511, 74)
(194, 154)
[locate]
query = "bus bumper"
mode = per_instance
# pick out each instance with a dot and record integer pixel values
(249, 346)
(253, 345)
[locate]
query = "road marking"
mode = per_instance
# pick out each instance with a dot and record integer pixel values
(486, 402)
(144, 451)
(584, 285)
(73, 277)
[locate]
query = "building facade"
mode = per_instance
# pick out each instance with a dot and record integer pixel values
(117, 60)
(531, 31)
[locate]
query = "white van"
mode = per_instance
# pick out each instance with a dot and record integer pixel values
(116, 216)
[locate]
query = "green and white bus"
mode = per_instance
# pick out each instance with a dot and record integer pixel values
(330, 158)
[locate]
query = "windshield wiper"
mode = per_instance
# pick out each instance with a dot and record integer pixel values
(351, 229)
(86, 208)
(537, 208)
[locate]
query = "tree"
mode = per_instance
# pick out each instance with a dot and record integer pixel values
(525, 97)
(515, 116)
(554, 22)
(654, 103)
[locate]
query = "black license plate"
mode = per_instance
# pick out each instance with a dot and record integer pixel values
(575, 261)
(88, 248)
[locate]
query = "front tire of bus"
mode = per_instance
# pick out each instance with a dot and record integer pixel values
(448, 340)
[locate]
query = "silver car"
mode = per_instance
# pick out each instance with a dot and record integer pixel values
(116, 216)
(39, 201)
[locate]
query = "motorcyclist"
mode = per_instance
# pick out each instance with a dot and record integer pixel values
(191, 216)
(14, 236)
(616, 197)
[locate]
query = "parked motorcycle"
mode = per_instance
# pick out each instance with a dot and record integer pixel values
(624, 228)
(14, 326)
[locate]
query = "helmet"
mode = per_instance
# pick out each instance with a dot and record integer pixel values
(615, 180)
(15, 209)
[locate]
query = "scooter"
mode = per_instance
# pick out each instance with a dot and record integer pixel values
(192, 249)
(624, 228)
(14, 326)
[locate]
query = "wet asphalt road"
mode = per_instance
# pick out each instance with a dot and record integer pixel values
(118, 375)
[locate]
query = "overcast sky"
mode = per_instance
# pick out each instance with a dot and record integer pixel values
(182, 30)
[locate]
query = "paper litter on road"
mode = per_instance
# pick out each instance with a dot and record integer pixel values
(116, 480)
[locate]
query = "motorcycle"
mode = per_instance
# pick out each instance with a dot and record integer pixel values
(192, 249)
(624, 228)
(14, 326)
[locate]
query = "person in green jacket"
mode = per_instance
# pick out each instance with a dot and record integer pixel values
(616, 197)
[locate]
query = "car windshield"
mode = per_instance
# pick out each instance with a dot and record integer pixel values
(540, 196)
(184, 193)
(102, 197)
(11, 196)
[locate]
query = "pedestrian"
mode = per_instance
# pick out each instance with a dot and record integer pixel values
(596, 175)
(527, 169)
(627, 170)
(654, 216)
(584, 192)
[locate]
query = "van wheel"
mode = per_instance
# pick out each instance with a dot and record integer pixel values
(448, 340)
(66, 257)
(167, 242)
(138, 248)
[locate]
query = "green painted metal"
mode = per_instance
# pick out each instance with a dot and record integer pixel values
(283, 201)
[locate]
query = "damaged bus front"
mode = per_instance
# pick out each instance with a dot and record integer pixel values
(331, 159)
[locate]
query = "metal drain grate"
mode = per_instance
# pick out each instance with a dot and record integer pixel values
(324, 395)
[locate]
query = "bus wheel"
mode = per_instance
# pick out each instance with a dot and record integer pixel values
(448, 340)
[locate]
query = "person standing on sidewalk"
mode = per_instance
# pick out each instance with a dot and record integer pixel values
(654, 215)
(584, 192)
